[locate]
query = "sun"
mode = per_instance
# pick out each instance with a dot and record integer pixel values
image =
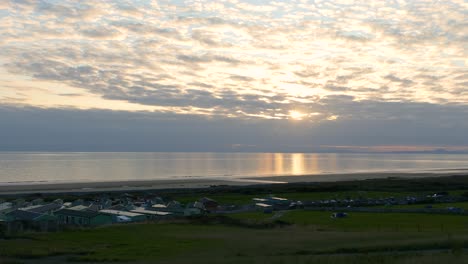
(296, 115)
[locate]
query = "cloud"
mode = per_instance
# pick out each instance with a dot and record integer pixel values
(29, 128)
(396, 79)
(69, 11)
(101, 33)
(249, 59)
(4, 5)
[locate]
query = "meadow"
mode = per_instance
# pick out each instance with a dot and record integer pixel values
(308, 237)
(357, 221)
(463, 205)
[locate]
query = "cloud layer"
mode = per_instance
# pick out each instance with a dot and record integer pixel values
(55, 129)
(341, 61)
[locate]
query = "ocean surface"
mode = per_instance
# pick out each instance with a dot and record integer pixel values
(19, 167)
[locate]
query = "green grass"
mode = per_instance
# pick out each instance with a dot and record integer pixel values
(343, 195)
(463, 205)
(313, 237)
(216, 243)
(368, 221)
(128, 242)
(256, 216)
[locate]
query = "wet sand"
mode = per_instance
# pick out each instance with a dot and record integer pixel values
(83, 187)
(45, 187)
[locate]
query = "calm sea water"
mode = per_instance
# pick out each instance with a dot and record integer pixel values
(39, 167)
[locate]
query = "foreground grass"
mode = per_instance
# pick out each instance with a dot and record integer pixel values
(312, 237)
(320, 240)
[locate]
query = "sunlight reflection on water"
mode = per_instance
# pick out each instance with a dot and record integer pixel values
(19, 167)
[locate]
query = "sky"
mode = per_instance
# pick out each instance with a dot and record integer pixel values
(231, 75)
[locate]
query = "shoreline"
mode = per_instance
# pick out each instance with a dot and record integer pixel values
(164, 184)
(342, 177)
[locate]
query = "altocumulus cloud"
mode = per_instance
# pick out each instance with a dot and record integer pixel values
(349, 67)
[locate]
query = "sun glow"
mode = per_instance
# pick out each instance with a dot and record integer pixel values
(296, 115)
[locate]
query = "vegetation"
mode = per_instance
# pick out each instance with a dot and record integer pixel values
(394, 222)
(463, 205)
(314, 237)
(221, 243)
(296, 236)
(372, 188)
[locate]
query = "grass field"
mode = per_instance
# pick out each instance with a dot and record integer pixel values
(192, 243)
(367, 221)
(313, 238)
(293, 237)
(380, 221)
(463, 205)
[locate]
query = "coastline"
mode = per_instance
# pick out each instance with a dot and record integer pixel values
(83, 187)
(338, 177)
(141, 185)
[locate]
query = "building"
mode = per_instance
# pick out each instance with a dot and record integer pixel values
(278, 201)
(175, 208)
(159, 207)
(37, 201)
(79, 208)
(151, 214)
(82, 218)
(266, 208)
(192, 211)
(5, 208)
(20, 220)
(115, 214)
(259, 200)
(43, 209)
(22, 215)
(209, 204)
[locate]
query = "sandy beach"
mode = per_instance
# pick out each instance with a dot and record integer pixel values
(135, 185)
(47, 187)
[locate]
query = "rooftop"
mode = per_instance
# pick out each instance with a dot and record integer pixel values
(117, 212)
(69, 212)
(23, 215)
(79, 207)
(278, 199)
(4, 206)
(144, 211)
(263, 205)
(42, 208)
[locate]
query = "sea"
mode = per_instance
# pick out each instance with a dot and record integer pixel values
(31, 167)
